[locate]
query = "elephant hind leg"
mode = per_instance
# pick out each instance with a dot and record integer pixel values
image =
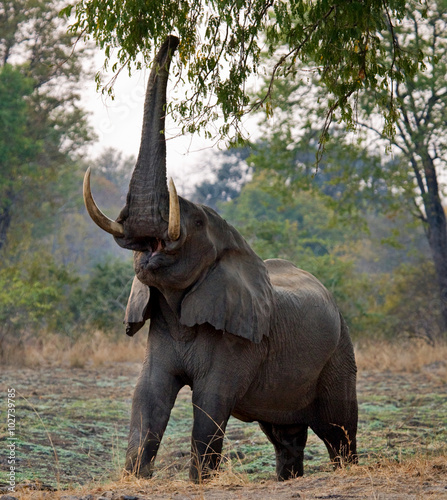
(289, 442)
(335, 408)
(339, 436)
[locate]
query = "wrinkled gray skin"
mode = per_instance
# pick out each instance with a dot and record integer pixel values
(262, 341)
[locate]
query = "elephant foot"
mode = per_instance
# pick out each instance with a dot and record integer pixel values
(289, 442)
(144, 472)
(205, 471)
(137, 466)
(345, 458)
(285, 471)
(201, 476)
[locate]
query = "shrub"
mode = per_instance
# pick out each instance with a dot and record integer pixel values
(101, 302)
(412, 302)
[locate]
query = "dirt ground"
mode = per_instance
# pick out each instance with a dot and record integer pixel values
(71, 426)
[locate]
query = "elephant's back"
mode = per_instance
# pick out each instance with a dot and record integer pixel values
(306, 314)
(287, 277)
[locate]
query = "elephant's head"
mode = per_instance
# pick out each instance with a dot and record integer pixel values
(185, 250)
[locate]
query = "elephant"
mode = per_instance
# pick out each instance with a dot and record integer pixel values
(257, 340)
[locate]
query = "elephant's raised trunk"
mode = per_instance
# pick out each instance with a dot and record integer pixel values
(151, 210)
(147, 208)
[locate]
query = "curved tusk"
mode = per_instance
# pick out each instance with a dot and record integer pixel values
(174, 212)
(100, 219)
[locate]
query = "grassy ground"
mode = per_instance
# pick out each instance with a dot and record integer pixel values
(72, 421)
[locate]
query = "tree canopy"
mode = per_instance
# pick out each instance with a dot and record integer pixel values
(223, 41)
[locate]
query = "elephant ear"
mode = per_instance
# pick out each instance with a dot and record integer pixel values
(235, 296)
(137, 310)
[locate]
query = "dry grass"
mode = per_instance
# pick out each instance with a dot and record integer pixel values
(416, 478)
(90, 349)
(408, 356)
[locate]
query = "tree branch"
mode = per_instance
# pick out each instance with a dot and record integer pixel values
(283, 58)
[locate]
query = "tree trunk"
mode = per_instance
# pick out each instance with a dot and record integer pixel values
(5, 220)
(437, 233)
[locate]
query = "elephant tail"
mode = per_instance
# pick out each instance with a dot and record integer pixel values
(344, 328)
(346, 345)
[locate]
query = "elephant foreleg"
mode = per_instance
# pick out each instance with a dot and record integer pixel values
(210, 420)
(151, 407)
(289, 442)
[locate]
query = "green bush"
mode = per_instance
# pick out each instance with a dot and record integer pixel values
(34, 295)
(101, 302)
(37, 295)
(411, 302)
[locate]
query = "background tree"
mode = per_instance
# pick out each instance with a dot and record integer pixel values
(43, 132)
(112, 165)
(222, 42)
(359, 179)
(15, 145)
(421, 130)
(43, 127)
(229, 174)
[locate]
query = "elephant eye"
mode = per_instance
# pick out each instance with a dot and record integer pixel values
(199, 223)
